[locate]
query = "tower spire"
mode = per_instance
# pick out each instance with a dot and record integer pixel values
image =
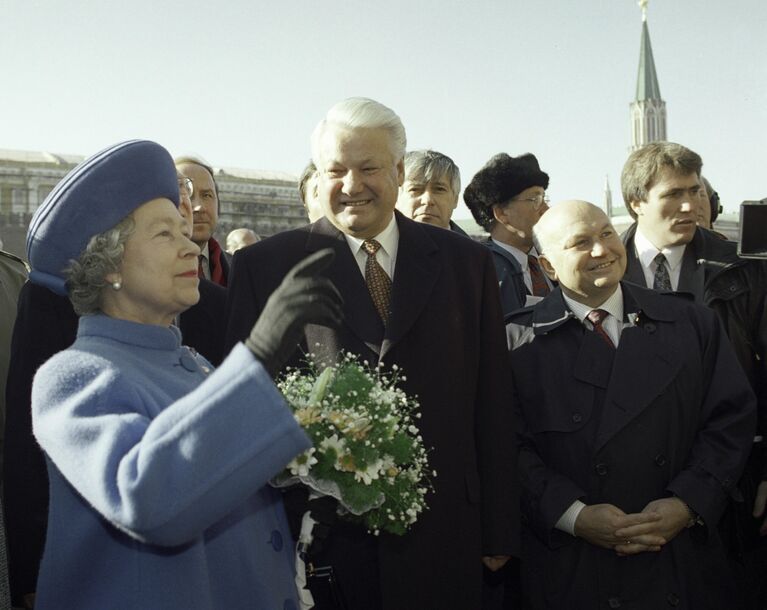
(648, 110)
(608, 197)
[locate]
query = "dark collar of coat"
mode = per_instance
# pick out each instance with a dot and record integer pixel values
(503, 252)
(552, 312)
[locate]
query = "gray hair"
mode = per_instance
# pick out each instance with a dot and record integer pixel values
(427, 165)
(86, 277)
(362, 113)
(642, 167)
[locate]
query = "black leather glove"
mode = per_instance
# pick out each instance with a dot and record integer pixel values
(324, 513)
(304, 297)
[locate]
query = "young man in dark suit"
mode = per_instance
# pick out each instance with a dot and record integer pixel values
(662, 189)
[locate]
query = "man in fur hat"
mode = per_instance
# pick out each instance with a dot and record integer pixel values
(507, 197)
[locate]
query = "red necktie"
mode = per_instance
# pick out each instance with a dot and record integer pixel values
(537, 281)
(596, 317)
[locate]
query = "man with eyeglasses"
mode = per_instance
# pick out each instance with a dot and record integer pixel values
(214, 265)
(507, 197)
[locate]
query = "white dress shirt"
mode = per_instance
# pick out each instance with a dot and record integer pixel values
(646, 253)
(387, 253)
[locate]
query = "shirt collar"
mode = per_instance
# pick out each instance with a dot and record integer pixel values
(519, 256)
(613, 305)
(205, 251)
(388, 238)
(647, 252)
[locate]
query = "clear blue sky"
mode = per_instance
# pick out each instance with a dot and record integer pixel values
(243, 82)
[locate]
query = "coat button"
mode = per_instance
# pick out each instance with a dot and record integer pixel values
(276, 540)
(614, 602)
(650, 327)
(289, 605)
(601, 469)
(660, 459)
(672, 599)
(188, 362)
(577, 418)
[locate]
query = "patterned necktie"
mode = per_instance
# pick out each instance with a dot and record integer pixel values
(596, 317)
(539, 286)
(379, 283)
(661, 281)
(200, 270)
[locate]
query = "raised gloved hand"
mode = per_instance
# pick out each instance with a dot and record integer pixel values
(304, 297)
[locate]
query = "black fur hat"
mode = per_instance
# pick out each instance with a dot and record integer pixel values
(501, 178)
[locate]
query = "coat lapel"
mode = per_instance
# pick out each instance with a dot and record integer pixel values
(416, 271)
(360, 315)
(692, 276)
(505, 254)
(634, 273)
(644, 364)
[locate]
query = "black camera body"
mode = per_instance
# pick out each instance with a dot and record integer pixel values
(753, 229)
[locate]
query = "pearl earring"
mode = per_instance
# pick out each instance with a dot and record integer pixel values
(116, 285)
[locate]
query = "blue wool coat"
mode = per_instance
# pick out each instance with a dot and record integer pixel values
(158, 474)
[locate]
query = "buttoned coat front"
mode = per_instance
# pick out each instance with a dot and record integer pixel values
(445, 332)
(667, 413)
(159, 473)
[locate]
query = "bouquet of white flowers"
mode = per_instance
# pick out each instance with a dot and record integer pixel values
(368, 453)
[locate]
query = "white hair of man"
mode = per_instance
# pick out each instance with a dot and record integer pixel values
(362, 113)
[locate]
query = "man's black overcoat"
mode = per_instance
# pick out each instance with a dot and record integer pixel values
(669, 412)
(445, 332)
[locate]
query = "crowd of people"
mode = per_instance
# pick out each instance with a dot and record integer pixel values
(595, 404)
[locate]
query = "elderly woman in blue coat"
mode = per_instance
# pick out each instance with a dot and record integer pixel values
(159, 465)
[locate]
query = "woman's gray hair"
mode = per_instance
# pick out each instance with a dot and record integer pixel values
(362, 113)
(86, 277)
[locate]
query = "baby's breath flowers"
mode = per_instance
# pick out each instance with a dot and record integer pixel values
(368, 452)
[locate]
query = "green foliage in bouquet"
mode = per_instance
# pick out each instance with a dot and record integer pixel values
(368, 452)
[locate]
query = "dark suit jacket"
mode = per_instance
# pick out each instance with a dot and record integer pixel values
(511, 278)
(668, 412)
(45, 325)
(446, 334)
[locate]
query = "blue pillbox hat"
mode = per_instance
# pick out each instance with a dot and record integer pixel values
(93, 198)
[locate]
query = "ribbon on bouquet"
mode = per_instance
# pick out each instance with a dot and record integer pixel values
(305, 538)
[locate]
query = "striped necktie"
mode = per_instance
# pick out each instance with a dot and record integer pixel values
(596, 317)
(538, 283)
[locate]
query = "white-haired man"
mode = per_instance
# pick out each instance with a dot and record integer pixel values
(437, 301)
(630, 445)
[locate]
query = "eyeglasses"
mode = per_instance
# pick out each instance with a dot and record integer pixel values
(187, 185)
(537, 201)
